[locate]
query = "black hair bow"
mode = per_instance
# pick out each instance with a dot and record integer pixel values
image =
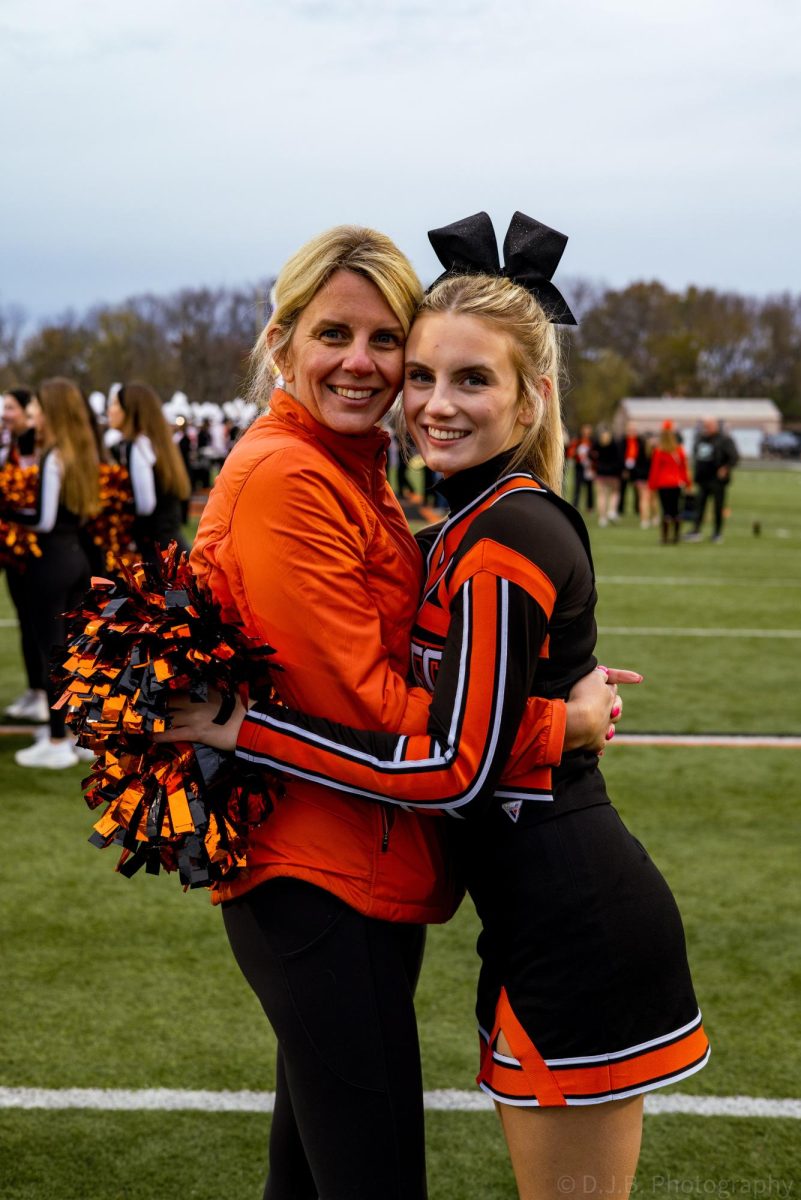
(531, 253)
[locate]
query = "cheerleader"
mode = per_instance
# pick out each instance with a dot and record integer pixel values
(20, 450)
(159, 479)
(67, 496)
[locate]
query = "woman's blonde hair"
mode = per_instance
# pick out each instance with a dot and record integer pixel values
(535, 353)
(67, 428)
(343, 248)
(667, 439)
(143, 414)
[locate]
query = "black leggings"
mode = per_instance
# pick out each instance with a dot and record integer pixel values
(18, 590)
(55, 584)
(337, 988)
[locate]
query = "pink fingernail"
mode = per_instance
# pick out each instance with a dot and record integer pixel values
(616, 711)
(610, 735)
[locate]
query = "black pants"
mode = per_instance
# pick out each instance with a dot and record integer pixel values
(337, 988)
(669, 502)
(582, 484)
(18, 588)
(716, 488)
(55, 584)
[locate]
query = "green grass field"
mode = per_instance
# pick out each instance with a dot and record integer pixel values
(121, 983)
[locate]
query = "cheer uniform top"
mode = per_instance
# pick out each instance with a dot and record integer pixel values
(583, 961)
(157, 520)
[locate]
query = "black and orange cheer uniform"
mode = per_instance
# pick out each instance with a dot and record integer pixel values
(584, 966)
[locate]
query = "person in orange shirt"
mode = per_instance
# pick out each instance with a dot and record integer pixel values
(668, 475)
(303, 542)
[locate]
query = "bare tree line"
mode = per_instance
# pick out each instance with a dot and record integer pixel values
(641, 340)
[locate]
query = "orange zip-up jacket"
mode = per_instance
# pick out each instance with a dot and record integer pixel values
(304, 542)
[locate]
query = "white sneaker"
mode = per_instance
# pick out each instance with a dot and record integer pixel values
(30, 706)
(53, 755)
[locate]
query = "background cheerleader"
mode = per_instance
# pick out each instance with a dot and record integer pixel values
(20, 450)
(67, 496)
(159, 478)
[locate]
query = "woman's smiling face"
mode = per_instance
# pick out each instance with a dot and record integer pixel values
(461, 393)
(345, 361)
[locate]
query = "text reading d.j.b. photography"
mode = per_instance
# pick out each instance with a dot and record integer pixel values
(665, 1185)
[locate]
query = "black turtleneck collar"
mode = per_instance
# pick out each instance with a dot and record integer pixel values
(463, 487)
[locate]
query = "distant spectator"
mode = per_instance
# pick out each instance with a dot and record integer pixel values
(608, 466)
(580, 451)
(715, 457)
(635, 455)
(668, 475)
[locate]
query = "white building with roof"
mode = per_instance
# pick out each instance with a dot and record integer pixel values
(746, 421)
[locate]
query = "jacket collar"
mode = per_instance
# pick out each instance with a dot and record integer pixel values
(357, 454)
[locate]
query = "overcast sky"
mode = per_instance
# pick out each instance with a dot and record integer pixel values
(153, 144)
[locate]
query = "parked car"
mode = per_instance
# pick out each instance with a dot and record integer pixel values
(784, 444)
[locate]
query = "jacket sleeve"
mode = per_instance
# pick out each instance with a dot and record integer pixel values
(497, 626)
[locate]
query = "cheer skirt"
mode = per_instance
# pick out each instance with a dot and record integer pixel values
(584, 964)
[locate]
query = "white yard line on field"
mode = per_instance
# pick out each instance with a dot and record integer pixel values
(751, 740)
(447, 1100)
(698, 581)
(678, 631)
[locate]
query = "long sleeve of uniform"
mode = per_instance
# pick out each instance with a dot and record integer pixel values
(500, 605)
(42, 518)
(141, 461)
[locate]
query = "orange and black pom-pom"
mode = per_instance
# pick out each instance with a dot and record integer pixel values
(136, 639)
(18, 543)
(112, 529)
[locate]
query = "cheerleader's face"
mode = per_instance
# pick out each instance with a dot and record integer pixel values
(36, 418)
(15, 417)
(461, 393)
(115, 413)
(345, 361)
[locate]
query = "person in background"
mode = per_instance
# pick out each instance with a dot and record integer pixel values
(714, 458)
(608, 467)
(181, 438)
(68, 495)
(636, 463)
(668, 476)
(580, 451)
(19, 449)
(159, 480)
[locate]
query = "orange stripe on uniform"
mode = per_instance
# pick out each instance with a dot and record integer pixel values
(619, 1075)
(535, 1077)
(509, 564)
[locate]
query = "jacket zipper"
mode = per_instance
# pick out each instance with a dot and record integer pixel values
(387, 821)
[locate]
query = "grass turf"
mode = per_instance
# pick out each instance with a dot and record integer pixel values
(110, 982)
